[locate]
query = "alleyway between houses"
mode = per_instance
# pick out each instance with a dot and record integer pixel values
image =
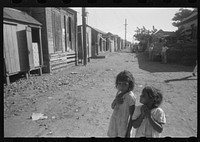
(76, 100)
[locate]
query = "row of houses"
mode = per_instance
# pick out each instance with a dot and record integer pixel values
(48, 38)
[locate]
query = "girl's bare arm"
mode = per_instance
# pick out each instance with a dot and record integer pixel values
(137, 122)
(131, 111)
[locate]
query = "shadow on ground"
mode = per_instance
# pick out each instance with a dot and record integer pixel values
(156, 66)
(181, 79)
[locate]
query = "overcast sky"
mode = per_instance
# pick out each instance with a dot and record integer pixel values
(113, 19)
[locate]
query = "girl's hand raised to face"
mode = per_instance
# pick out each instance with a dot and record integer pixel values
(119, 100)
(143, 110)
(148, 112)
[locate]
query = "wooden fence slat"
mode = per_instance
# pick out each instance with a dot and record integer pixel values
(9, 49)
(59, 66)
(58, 62)
(15, 49)
(6, 51)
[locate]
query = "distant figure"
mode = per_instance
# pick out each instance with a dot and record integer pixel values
(149, 117)
(195, 70)
(151, 51)
(137, 49)
(123, 106)
(163, 53)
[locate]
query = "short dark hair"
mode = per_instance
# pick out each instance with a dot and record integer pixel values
(154, 94)
(126, 76)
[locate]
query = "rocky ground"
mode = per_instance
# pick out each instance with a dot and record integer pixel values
(76, 100)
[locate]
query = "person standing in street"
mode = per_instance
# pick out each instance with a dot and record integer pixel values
(151, 51)
(137, 49)
(163, 53)
(123, 106)
(148, 118)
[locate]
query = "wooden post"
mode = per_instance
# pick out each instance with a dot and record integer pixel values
(125, 32)
(7, 79)
(76, 43)
(84, 36)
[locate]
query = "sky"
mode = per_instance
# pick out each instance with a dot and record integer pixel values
(113, 19)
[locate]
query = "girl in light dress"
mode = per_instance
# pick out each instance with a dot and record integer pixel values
(148, 119)
(123, 106)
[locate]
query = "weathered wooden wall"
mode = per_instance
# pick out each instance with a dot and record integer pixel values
(11, 51)
(58, 36)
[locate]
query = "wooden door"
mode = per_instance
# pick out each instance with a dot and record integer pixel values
(66, 32)
(10, 49)
(69, 32)
(57, 30)
(29, 48)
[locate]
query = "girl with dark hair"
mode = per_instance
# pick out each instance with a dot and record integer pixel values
(148, 119)
(123, 106)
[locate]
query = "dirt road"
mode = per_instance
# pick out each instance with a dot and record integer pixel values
(77, 100)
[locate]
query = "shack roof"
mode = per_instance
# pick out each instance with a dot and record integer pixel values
(97, 30)
(94, 29)
(17, 15)
(162, 33)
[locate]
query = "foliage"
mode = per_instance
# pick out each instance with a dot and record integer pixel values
(143, 34)
(180, 15)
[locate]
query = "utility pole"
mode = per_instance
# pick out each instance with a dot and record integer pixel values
(84, 36)
(125, 32)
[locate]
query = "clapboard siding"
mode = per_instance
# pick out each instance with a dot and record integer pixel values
(11, 49)
(18, 35)
(60, 61)
(55, 35)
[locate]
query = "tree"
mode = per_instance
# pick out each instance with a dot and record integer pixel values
(180, 15)
(144, 34)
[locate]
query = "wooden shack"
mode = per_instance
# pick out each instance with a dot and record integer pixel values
(59, 35)
(21, 43)
(107, 42)
(88, 42)
(111, 39)
(115, 43)
(122, 43)
(118, 43)
(98, 42)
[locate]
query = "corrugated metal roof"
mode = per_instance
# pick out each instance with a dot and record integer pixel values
(14, 14)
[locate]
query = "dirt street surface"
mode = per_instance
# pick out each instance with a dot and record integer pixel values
(76, 101)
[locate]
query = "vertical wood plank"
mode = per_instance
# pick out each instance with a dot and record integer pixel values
(63, 32)
(9, 41)
(29, 47)
(23, 50)
(6, 52)
(66, 33)
(11, 49)
(15, 48)
(40, 48)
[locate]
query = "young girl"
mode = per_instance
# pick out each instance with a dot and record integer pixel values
(123, 106)
(148, 119)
